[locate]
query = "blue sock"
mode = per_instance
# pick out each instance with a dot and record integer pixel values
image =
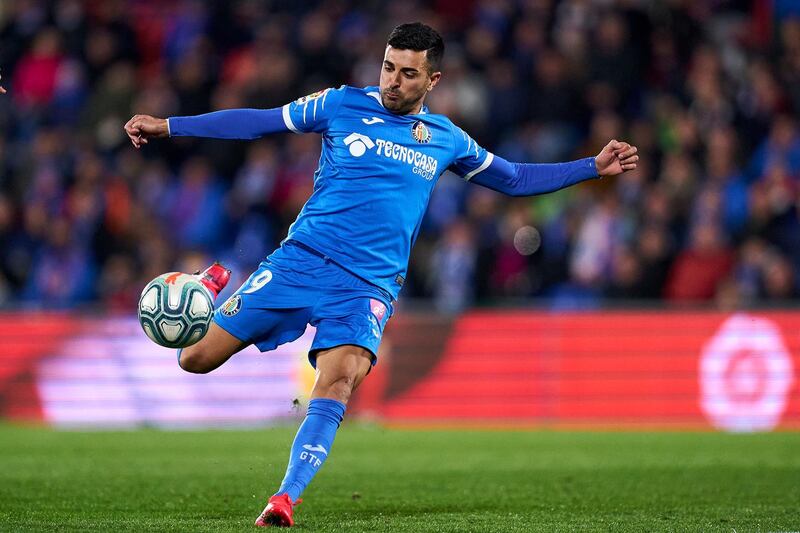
(311, 445)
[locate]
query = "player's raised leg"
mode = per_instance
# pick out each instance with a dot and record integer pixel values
(339, 371)
(216, 347)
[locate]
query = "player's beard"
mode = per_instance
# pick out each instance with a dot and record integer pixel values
(400, 105)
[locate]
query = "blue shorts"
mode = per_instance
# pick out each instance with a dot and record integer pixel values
(297, 286)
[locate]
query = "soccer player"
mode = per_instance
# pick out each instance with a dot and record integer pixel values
(344, 259)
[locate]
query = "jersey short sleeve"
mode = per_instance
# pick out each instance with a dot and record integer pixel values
(470, 157)
(314, 112)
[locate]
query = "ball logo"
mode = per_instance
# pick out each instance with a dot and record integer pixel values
(746, 373)
(358, 144)
(170, 280)
(420, 132)
(232, 306)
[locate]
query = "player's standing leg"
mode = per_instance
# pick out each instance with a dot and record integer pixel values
(339, 371)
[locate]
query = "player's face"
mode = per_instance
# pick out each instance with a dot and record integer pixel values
(405, 80)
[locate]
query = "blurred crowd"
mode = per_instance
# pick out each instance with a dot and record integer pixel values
(709, 90)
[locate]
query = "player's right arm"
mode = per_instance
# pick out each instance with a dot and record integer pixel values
(479, 166)
(310, 113)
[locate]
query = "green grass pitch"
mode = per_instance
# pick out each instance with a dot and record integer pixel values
(396, 480)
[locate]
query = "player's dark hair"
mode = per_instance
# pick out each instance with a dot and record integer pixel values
(420, 38)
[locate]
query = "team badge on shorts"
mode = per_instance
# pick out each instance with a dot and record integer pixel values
(377, 308)
(232, 306)
(420, 132)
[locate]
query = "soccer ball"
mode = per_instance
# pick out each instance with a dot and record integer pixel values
(175, 310)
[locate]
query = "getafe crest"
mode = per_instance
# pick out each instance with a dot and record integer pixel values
(232, 306)
(420, 132)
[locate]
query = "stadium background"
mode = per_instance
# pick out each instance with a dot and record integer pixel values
(666, 296)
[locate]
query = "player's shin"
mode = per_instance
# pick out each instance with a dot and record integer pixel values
(311, 445)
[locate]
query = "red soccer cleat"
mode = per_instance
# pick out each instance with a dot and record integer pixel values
(278, 512)
(215, 278)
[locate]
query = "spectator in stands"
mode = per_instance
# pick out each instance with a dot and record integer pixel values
(715, 118)
(699, 269)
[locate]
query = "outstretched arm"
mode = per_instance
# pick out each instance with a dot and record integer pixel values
(525, 179)
(227, 124)
(304, 115)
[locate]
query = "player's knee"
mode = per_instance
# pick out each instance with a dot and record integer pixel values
(339, 372)
(195, 360)
(340, 388)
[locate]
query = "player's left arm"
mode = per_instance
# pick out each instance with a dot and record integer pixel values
(480, 166)
(526, 179)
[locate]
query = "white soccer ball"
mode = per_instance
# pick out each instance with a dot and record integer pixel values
(175, 310)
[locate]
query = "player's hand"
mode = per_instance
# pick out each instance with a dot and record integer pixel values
(2, 91)
(615, 158)
(140, 128)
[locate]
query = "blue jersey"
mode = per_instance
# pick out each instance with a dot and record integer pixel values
(376, 173)
(375, 177)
